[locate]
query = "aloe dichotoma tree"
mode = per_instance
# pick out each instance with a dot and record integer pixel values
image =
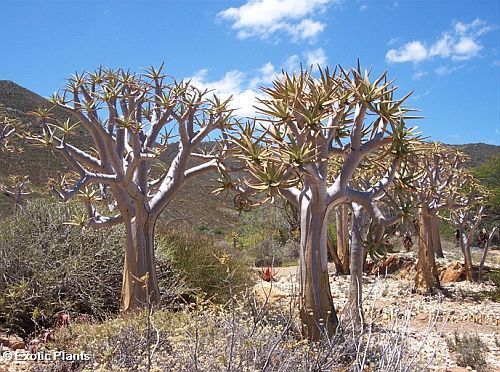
(438, 181)
(129, 118)
(307, 122)
(467, 220)
(9, 129)
(368, 233)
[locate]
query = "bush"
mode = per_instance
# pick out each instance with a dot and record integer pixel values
(203, 261)
(470, 351)
(494, 277)
(264, 234)
(51, 267)
(446, 230)
(272, 252)
(243, 337)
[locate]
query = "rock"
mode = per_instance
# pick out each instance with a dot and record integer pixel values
(12, 342)
(452, 273)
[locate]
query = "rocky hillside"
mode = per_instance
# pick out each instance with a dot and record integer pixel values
(193, 206)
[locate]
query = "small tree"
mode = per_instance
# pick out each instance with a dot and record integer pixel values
(16, 189)
(309, 121)
(9, 127)
(467, 220)
(437, 185)
(130, 118)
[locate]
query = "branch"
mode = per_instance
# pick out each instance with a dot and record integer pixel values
(387, 180)
(97, 220)
(212, 165)
(291, 194)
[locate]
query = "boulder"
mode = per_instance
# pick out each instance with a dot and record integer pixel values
(452, 273)
(12, 342)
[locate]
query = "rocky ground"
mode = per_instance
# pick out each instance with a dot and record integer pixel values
(462, 307)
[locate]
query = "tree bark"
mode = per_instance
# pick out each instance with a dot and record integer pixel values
(140, 283)
(485, 253)
(436, 237)
(465, 245)
(427, 276)
(342, 227)
(317, 311)
(354, 309)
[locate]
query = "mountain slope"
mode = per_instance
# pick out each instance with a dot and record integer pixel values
(193, 205)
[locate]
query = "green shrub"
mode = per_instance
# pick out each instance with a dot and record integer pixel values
(263, 234)
(273, 252)
(203, 261)
(494, 276)
(50, 267)
(470, 351)
(447, 230)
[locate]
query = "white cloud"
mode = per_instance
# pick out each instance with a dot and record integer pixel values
(446, 70)
(459, 44)
(363, 8)
(292, 63)
(443, 47)
(417, 97)
(231, 84)
(262, 18)
(419, 74)
(244, 87)
(306, 29)
(466, 48)
(267, 74)
(237, 84)
(315, 57)
(414, 51)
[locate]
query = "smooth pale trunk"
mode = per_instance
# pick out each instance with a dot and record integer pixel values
(436, 237)
(427, 278)
(465, 245)
(354, 310)
(317, 311)
(485, 253)
(342, 220)
(140, 283)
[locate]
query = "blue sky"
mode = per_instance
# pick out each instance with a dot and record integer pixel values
(447, 51)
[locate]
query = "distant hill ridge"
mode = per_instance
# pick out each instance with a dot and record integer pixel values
(193, 206)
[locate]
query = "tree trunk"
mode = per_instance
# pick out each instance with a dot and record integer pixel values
(427, 276)
(354, 309)
(140, 283)
(485, 253)
(317, 311)
(436, 237)
(342, 227)
(465, 245)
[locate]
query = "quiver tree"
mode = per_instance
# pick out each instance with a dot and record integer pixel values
(341, 251)
(369, 232)
(16, 188)
(491, 236)
(467, 221)
(437, 184)
(308, 121)
(9, 129)
(130, 118)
